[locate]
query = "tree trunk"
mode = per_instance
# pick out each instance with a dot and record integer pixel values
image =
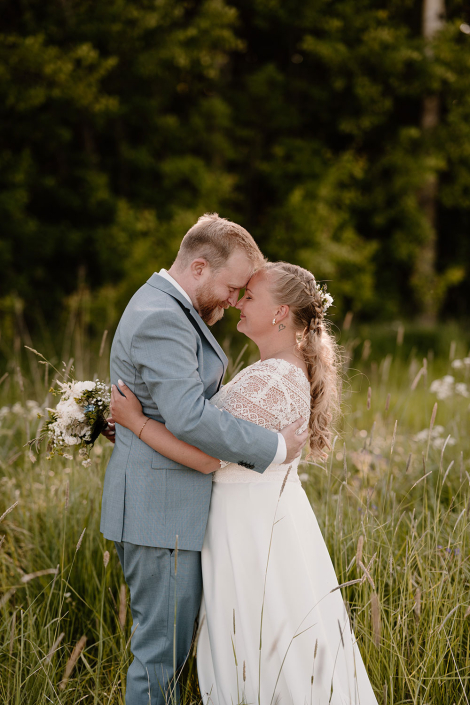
(425, 276)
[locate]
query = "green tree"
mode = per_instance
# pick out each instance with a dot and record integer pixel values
(122, 122)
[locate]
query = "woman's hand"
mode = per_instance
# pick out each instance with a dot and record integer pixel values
(126, 409)
(110, 431)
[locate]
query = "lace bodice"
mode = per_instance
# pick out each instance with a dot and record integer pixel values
(271, 393)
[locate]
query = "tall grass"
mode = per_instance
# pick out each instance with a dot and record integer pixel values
(392, 507)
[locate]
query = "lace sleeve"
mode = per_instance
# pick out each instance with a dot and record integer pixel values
(271, 394)
(258, 395)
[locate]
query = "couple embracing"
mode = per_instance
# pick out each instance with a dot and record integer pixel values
(211, 471)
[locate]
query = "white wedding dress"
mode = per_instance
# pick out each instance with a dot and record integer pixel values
(266, 569)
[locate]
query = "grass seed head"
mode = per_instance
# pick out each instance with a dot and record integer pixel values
(10, 509)
(54, 648)
(80, 540)
(72, 662)
(122, 606)
(285, 480)
(375, 616)
(360, 545)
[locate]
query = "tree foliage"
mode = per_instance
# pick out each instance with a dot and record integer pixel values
(122, 122)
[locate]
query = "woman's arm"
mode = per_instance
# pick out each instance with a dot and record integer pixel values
(126, 410)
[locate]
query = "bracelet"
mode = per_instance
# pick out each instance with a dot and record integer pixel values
(140, 432)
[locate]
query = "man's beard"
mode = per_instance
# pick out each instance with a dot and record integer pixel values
(210, 307)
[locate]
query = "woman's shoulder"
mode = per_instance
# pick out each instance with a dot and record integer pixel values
(273, 367)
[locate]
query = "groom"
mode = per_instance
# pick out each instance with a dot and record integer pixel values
(167, 355)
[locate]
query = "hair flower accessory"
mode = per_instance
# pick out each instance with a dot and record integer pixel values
(326, 298)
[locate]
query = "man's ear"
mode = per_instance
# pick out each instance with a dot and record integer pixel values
(282, 313)
(198, 266)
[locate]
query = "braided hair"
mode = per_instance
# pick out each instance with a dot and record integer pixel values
(296, 287)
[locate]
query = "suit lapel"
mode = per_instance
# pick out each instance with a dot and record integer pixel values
(159, 282)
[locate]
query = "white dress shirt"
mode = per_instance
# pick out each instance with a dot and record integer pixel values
(281, 452)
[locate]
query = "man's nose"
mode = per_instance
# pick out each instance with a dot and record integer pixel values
(233, 298)
(239, 304)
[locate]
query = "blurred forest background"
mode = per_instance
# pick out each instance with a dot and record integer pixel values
(337, 132)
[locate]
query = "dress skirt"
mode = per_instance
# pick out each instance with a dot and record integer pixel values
(271, 630)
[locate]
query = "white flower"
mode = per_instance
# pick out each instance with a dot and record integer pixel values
(80, 387)
(68, 456)
(461, 388)
(437, 439)
(17, 409)
(439, 442)
(443, 388)
(86, 463)
(423, 435)
(32, 409)
(466, 361)
(327, 301)
(457, 364)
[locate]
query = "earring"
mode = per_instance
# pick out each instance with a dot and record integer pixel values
(274, 321)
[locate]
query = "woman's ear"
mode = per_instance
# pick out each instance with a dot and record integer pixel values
(282, 313)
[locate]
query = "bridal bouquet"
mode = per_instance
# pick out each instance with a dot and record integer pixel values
(78, 418)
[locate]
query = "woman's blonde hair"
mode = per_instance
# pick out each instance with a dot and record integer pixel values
(296, 287)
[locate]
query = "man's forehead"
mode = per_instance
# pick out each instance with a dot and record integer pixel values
(238, 272)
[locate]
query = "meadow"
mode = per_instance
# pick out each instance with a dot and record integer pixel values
(393, 502)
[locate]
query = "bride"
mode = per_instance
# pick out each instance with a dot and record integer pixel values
(272, 627)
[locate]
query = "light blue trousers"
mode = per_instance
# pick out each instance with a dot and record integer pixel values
(155, 587)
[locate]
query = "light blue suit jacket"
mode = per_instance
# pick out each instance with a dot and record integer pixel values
(169, 358)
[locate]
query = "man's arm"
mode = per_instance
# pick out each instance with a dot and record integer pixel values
(164, 351)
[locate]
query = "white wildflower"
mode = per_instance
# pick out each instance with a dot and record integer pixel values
(443, 388)
(439, 442)
(68, 456)
(458, 364)
(437, 437)
(79, 387)
(461, 388)
(86, 463)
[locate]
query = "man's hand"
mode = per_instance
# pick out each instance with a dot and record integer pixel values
(294, 441)
(110, 431)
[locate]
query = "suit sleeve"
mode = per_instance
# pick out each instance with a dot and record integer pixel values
(164, 351)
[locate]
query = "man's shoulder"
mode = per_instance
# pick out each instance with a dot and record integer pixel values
(148, 300)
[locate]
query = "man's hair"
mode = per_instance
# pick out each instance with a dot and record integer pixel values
(215, 239)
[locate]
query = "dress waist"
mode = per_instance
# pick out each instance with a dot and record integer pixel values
(273, 473)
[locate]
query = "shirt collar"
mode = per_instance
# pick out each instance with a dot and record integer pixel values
(163, 273)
